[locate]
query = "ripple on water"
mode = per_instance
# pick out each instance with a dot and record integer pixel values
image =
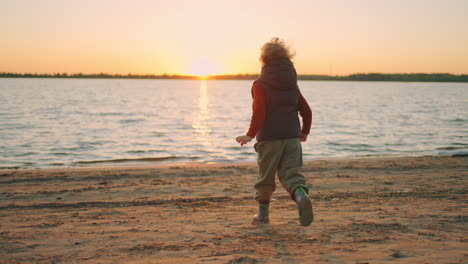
(63, 154)
(146, 151)
(25, 154)
(130, 121)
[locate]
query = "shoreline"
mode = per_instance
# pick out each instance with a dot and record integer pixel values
(367, 210)
(135, 165)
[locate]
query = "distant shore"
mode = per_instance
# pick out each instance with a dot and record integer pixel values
(398, 77)
(367, 210)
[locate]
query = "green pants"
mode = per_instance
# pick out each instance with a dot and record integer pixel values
(282, 157)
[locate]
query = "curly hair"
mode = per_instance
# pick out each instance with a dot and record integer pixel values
(274, 49)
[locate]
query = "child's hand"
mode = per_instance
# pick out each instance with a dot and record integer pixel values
(243, 139)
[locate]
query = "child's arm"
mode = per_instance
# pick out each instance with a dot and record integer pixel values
(258, 114)
(258, 110)
(306, 114)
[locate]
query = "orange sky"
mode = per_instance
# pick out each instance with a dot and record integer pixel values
(224, 37)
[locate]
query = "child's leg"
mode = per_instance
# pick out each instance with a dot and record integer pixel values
(269, 155)
(289, 166)
(293, 181)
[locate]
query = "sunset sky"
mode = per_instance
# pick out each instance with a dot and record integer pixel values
(224, 37)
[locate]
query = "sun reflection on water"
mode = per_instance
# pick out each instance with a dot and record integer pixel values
(201, 124)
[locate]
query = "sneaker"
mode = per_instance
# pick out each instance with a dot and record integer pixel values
(304, 204)
(257, 220)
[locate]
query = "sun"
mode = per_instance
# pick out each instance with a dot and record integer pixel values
(203, 68)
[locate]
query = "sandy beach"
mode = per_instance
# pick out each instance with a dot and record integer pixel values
(367, 210)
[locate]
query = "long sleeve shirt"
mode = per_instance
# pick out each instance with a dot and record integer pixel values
(259, 109)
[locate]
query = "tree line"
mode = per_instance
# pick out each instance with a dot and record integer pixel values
(397, 77)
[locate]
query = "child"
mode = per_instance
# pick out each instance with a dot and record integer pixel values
(277, 102)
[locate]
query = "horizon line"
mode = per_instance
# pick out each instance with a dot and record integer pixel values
(396, 77)
(214, 75)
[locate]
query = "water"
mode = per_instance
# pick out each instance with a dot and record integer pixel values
(82, 122)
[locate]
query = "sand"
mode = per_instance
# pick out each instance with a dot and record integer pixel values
(367, 210)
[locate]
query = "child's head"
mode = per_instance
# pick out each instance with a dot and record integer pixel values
(275, 49)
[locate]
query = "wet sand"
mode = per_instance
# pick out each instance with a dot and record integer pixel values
(367, 210)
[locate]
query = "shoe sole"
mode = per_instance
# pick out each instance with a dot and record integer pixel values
(307, 215)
